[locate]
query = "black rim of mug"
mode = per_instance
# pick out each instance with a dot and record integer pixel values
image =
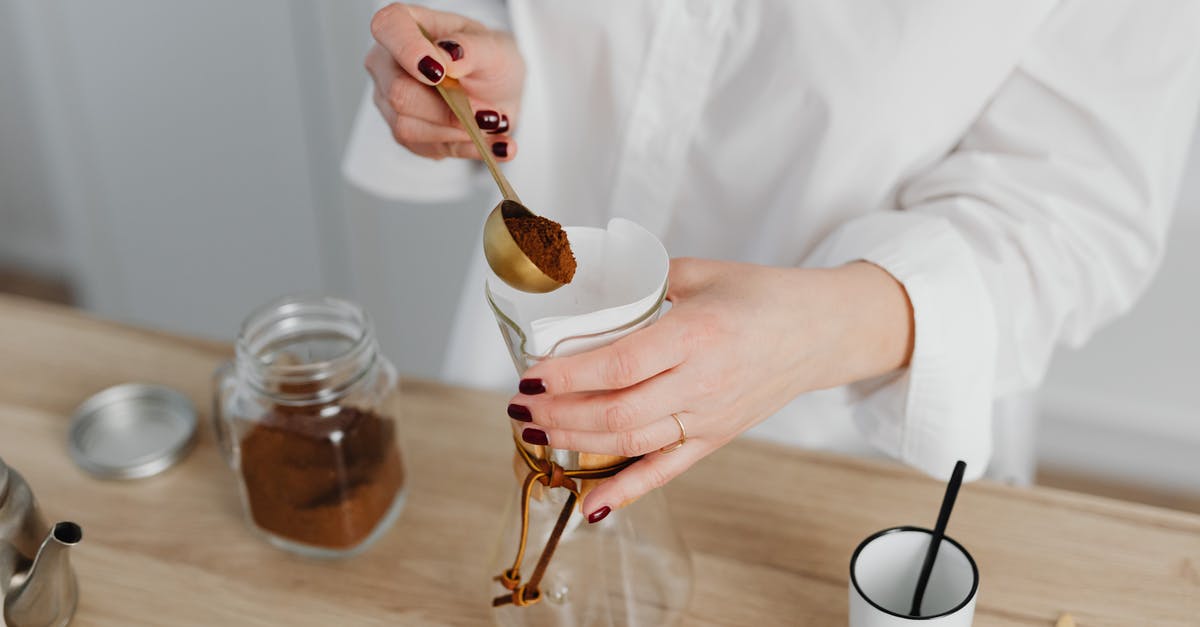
(875, 536)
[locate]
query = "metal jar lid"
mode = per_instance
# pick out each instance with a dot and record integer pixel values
(132, 430)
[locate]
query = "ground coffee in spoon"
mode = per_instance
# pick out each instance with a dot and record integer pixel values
(545, 243)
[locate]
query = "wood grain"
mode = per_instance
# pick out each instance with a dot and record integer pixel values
(771, 528)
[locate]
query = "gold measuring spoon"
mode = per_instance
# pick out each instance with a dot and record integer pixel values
(506, 258)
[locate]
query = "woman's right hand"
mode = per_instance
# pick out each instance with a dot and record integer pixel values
(403, 64)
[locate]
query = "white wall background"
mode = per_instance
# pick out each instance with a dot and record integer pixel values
(178, 160)
(29, 230)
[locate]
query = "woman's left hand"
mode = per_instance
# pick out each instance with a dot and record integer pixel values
(738, 343)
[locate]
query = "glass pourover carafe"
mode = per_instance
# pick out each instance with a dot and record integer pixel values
(631, 569)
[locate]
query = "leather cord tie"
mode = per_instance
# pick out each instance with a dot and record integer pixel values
(551, 475)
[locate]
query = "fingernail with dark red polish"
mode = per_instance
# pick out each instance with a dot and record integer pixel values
(519, 412)
(501, 127)
(455, 50)
(500, 149)
(535, 436)
(487, 119)
(599, 514)
(431, 69)
(531, 386)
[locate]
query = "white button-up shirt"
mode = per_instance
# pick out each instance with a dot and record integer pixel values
(1013, 164)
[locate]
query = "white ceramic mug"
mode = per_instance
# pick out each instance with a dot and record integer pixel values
(883, 578)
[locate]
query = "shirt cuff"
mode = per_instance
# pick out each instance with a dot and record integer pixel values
(376, 163)
(491, 13)
(938, 410)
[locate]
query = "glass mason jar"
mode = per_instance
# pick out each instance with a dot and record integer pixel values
(630, 569)
(305, 416)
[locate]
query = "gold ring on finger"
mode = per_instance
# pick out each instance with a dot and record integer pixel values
(674, 446)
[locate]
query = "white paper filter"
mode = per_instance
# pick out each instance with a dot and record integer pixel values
(621, 272)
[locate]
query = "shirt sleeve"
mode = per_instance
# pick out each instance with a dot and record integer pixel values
(1045, 222)
(374, 162)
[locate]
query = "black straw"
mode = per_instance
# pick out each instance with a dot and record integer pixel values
(939, 531)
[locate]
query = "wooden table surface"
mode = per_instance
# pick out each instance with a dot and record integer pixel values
(771, 529)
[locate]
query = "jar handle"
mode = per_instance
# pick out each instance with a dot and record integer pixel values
(223, 383)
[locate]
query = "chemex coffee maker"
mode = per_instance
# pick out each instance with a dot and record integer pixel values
(37, 584)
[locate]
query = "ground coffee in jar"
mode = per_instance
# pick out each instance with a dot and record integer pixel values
(304, 415)
(545, 243)
(323, 476)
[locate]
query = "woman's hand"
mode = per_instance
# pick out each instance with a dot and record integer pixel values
(403, 64)
(739, 342)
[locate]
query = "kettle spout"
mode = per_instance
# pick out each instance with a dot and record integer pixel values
(49, 593)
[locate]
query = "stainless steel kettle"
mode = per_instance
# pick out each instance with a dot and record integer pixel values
(36, 580)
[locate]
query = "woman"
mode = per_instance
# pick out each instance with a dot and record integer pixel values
(896, 211)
